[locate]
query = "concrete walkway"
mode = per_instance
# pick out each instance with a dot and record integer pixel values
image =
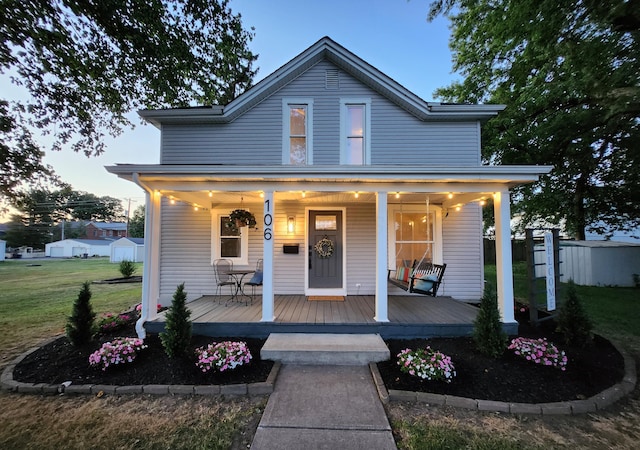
(324, 407)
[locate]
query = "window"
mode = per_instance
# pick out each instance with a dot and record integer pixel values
(297, 134)
(228, 243)
(355, 125)
(415, 234)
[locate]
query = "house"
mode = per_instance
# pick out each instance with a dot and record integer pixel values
(326, 147)
(126, 248)
(69, 248)
(106, 230)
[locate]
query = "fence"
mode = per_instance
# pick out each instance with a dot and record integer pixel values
(518, 251)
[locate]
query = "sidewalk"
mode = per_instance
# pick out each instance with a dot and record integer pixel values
(324, 407)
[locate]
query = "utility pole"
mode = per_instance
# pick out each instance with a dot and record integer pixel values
(128, 213)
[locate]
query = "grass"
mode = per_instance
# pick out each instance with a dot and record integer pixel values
(36, 298)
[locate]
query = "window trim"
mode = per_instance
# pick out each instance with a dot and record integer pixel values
(391, 232)
(216, 214)
(287, 102)
(344, 102)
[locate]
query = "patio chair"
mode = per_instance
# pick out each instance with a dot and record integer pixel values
(256, 279)
(221, 268)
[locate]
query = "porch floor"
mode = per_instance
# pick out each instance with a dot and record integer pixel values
(409, 316)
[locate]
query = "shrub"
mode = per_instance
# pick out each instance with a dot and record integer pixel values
(118, 351)
(222, 356)
(111, 322)
(177, 330)
(539, 351)
(572, 319)
(127, 268)
(488, 335)
(80, 325)
(426, 364)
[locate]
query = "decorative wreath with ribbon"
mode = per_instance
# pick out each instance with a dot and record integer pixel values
(324, 247)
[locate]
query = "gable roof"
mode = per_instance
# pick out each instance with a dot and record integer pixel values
(109, 225)
(324, 49)
(137, 241)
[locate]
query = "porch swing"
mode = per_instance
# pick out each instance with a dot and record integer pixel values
(423, 277)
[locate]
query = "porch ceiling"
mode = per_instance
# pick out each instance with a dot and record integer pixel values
(211, 185)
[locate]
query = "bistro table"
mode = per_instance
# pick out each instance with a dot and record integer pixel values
(238, 276)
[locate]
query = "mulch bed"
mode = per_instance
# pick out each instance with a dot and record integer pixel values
(509, 378)
(59, 361)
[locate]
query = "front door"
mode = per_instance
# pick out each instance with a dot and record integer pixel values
(325, 251)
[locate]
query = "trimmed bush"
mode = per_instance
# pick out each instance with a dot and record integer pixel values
(572, 320)
(127, 268)
(488, 335)
(176, 337)
(80, 326)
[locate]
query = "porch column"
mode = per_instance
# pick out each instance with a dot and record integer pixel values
(151, 267)
(504, 266)
(267, 255)
(382, 299)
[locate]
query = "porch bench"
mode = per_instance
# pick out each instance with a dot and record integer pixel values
(421, 278)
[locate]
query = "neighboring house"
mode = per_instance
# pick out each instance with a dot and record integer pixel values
(69, 248)
(326, 146)
(103, 230)
(130, 249)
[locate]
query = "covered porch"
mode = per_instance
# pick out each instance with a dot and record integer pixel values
(409, 316)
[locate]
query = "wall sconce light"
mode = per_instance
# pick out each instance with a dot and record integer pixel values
(458, 208)
(291, 224)
(397, 194)
(450, 196)
(304, 194)
(210, 194)
(357, 194)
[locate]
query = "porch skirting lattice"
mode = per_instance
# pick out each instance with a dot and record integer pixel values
(409, 316)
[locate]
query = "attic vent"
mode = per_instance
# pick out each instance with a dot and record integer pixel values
(331, 80)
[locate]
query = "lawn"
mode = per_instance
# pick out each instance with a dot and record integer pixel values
(35, 299)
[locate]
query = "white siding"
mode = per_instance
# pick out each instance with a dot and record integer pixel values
(462, 252)
(397, 137)
(185, 255)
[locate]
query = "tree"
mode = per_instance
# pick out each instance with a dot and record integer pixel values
(41, 212)
(488, 335)
(136, 223)
(573, 321)
(86, 64)
(176, 336)
(570, 77)
(79, 326)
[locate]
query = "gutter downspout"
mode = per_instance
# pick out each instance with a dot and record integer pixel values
(144, 316)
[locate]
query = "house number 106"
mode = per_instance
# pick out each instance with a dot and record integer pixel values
(268, 221)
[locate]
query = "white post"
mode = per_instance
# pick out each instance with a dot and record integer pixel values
(382, 299)
(268, 233)
(504, 266)
(151, 267)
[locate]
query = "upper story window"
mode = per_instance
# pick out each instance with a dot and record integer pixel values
(355, 131)
(297, 131)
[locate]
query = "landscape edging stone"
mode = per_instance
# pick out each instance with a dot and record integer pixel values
(598, 402)
(9, 384)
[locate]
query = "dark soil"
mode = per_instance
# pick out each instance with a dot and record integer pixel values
(59, 361)
(508, 378)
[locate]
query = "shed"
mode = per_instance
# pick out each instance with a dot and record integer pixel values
(598, 263)
(69, 248)
(3, 249)
(126, 248)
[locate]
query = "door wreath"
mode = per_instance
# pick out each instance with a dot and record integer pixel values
(324, 247)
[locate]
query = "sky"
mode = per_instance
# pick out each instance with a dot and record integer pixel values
(391, 35)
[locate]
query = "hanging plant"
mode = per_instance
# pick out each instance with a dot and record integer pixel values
(324, 247)
(241, 218)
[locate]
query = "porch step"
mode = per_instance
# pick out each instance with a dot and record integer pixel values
(325, 349)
